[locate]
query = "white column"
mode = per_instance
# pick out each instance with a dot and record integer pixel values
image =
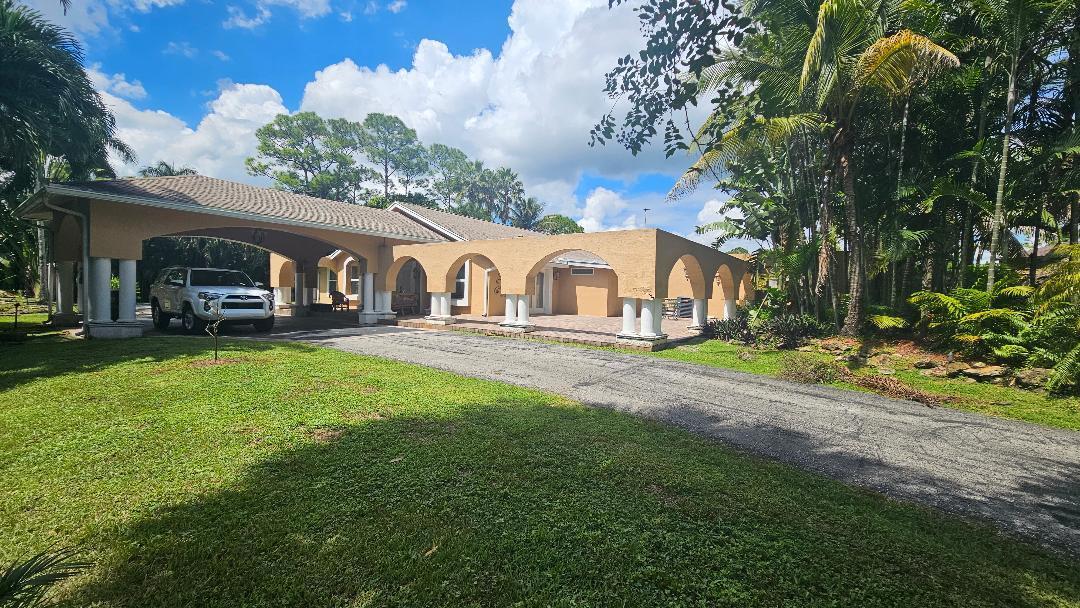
(629, 317)
(127, 291)
(65, 272)
(99, 290)
(651, 316)
(444, 298)
(369, 292)
(697, 320)
(730, 309)
(522, 311)
(510, 316)
(298, 289)
(84, 297)
(436, 305)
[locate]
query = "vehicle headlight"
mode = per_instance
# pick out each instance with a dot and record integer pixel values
(209, 296)
(269, 297)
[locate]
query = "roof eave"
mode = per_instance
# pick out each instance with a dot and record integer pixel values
(65, 190)
(426, 221)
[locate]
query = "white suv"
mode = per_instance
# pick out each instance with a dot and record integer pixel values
(200, 295)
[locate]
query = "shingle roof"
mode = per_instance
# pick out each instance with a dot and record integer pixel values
(466, 228)
(208, 193)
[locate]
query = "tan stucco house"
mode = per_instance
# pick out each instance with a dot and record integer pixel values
(427, 262)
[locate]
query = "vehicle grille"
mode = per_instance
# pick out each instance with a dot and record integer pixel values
(228, 304)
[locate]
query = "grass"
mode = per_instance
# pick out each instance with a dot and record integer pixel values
(292, 475)
(994, 400)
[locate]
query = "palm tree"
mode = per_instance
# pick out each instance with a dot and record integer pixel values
(815, 68)
(48, 106)
(164, 169)
(527, 213)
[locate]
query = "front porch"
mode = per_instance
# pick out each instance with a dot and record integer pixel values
(575, 329)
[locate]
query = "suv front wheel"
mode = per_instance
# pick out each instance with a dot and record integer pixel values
(190, 322)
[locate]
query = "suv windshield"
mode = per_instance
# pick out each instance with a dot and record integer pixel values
(220, 278)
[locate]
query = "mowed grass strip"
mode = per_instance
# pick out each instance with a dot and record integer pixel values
(292, 475)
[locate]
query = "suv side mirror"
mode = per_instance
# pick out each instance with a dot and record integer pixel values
(260, 284)
(176, 283)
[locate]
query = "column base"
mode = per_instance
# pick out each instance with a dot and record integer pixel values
(66, 319)
(622, 336)
(386, 315)
(696, 327)
(368, 318)
(652, 338)
(439, 320)
(516, 327)
(112, 330)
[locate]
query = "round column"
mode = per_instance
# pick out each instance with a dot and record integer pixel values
(522, 311)
(298, 289)
(369, 292)
(697, 320)
(100, 291)
(127, 290)
(629, 316)
(65, 301)
(510, 316)
(730, 309)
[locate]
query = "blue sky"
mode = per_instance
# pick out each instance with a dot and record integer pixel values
(514, 84)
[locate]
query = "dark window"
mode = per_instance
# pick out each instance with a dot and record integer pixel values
(459, 285)
(331, 281)
(585, 271)
(220, 278)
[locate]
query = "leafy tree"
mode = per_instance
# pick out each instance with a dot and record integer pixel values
(307, 154)
(558, 224)
(527, 213)
(389, 145)
(450, 169)
(507, 193)
(164, 169)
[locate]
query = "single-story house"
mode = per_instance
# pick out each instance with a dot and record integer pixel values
(425, 261)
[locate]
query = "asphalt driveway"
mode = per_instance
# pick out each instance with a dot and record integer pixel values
(1024, 478)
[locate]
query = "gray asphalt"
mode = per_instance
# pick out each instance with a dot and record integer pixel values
(1022, 477)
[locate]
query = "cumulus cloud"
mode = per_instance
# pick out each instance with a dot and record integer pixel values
(117, 84)
(91, 17)
(396, 6)
(528, 106)
(217, 146)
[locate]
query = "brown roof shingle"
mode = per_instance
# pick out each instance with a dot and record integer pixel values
(209, 193)
(466, 228)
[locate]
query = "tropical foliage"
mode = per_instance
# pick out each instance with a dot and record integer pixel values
(874, 148)
(53, 124)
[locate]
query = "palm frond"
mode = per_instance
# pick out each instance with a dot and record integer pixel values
(893, 62)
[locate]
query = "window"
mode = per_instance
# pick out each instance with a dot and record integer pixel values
(538, 301)
(354, 279)
(220, 278)
(331, 281)
(460, 296)
(582, 271)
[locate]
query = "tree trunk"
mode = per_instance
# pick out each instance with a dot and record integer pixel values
(856, 315)
(997, 222)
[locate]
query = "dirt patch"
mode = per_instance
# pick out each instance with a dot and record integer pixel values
(891, 387)
(361, 416)
(325, 434)
(213, 362)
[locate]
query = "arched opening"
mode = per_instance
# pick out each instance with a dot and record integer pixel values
(476, 286)
(574, 282)
(271, 257)
(407, 281)
(725, 293)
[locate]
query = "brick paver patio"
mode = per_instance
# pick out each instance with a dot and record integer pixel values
(595, 331)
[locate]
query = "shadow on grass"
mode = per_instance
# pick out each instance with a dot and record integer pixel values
(38, 356)
(506, 502)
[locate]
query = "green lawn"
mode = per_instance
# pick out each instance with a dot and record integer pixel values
(293, 475)
(994, 400)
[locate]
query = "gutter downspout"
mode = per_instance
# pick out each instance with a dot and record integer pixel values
(83, 308)
(487, 289)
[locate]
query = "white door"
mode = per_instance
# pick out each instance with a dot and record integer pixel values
(541, 298)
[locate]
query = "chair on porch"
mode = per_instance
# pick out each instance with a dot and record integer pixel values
(405, 303)
(338, 301)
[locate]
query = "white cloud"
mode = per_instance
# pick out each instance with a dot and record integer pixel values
(346, 16)
(117, 84)
(180, 48)
(91, 17)
(240, 19)
(529, 106)
(217, 146)
(222, 55)
(396, 6)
